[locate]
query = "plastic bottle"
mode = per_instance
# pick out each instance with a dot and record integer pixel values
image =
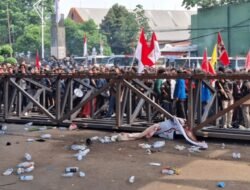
(70, 174)
(27, 156)
(8, 172)
(26, 177)
(46, 136)
(131, 179)
(71, 169)
(82, 174)
(25, 164)
(167, 171)
(30, 169)
(20, 171)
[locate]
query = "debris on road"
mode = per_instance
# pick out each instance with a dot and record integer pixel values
(131, 179)
(221, 184)
(154, 164)
(180, 147)
(8, 172)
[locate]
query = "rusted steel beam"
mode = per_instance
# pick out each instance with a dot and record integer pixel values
(131, 76)
(33, 100)
(147, 99)
(86, 98)
(222, 112)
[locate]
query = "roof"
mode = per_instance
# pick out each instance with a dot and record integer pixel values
(161, 21)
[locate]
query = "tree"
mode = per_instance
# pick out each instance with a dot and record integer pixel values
(30, 40)
(209, 3)
(6, 50)
(121, 29)
(11, 60)
(75, 33)
(1, 59)
(142, 20)
(21, 14)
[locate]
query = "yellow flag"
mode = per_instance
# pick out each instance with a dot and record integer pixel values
(214, 57)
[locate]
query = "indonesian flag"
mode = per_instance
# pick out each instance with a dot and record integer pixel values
(155, 52)
(206, 66)
(38, 63)
(247, 64)
(85, 48)
(223, 56)
(141, 53)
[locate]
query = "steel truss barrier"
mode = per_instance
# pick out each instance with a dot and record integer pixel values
(135, 105)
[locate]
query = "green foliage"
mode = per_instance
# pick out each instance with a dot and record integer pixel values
(6, 50)
(30, 40)
(210, 3)
(142, 20)
(11, 60)
(21, 15)
(74, 37)
(121, 28)
(1, 59)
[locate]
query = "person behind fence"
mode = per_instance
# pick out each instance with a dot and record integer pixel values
(225, 90)
(180, 97)
(245, 90)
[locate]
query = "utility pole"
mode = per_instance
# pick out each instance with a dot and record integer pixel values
(39, 8)
(8, 21)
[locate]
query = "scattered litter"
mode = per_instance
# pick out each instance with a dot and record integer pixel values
(131, 179)
(71, 174)
(94, 138)
(20, 171)
(2, 132)
(154, 164)
(223, 146)
(28, 124)
(114, 138)
(8, 143)
(72, 127)
(193, 149)
(148, 151)
(46, 136)
(40, 140)
(81, 154)
(29, 169)
(25, 164)
(30, 140)
(180, 147)
(3, 127)
(78, 147)
(105, 139)
(8, 172)
(88, 142)
(27, 156)
(26, 177)
(170, 171)
(221, 184)
(236, 155)
(82, 174)
(158, 144)
(71, 169)
(144, 145)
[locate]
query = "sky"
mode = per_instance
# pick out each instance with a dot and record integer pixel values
(65, 5)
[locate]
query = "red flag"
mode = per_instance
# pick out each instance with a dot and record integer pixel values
(206, 66)
(223, 56)
(37, 60)
(247, 64)
(155, 51)
(142, 51)
(85, 48)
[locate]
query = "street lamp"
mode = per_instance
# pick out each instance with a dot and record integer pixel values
(38, 6)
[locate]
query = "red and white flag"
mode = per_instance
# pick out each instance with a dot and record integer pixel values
(222, 52)
(85, 48)
(38, 63)
(247, 64)
(155, 52)
(141, 53)
(206, 66)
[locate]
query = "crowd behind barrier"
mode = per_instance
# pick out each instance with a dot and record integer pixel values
(170, 94)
